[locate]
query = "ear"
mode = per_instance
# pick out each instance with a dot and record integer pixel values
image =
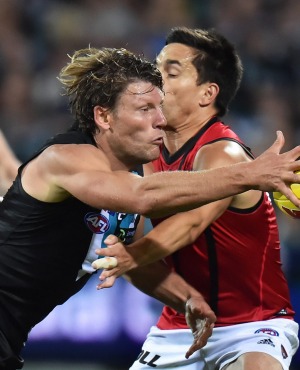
(102, 117)
(208, 93)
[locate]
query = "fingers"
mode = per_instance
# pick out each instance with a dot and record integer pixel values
(108, 283)
(291, 196)
(109, 273)
(105, 263)
(103, 252)
(200, 339)
(295, 154)
(111, 239)
(201, 319)
(193, 348)
(279, 142)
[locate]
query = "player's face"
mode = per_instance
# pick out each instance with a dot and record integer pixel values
(136, 131)
(180, 83)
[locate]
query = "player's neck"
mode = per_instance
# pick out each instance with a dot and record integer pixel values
(116, 164)
(176, 137)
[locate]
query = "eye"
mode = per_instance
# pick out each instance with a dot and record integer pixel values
(172, 75)
(172, 72)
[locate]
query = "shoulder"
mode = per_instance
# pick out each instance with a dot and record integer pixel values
(50, 175)
(71, 137)
(73, 156)
(220, 153)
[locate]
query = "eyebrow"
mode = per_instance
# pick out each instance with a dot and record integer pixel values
(170, 62)
(173, 61)
(178, 62)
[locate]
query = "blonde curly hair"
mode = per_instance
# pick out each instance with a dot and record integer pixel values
(98, 77)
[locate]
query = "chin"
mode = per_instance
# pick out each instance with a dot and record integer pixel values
(152, 155)
(144, 159)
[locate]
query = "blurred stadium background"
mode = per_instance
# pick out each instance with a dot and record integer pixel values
(104, 330)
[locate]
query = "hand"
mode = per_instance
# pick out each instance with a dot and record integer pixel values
(125, 261)
(201, 319)
(275, 171)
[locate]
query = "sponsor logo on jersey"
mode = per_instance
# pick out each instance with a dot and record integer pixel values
(97, 223)
(282, 312)
(266, 341)
(268, 331)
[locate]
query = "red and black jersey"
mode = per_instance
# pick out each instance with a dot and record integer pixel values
(235, 263)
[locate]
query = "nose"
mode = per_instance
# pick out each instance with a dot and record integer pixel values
(160, 121)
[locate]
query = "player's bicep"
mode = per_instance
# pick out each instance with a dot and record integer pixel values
(216, 155)
(64, 170)
(219, 154)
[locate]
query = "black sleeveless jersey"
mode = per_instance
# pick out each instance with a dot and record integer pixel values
(46, 250)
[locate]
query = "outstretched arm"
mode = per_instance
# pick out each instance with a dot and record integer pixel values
(84, 172)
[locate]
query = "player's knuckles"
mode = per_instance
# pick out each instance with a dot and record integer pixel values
(112, 239)
(106, 284)
(101, 252)
(106, 275)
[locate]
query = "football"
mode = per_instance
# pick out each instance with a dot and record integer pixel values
(285, 205)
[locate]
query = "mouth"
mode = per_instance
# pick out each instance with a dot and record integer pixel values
(158, 141)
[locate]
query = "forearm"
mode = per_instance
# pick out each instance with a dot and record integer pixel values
(162, 193)
(268, 172)
(163, 240)
(167, 193)
(159, 282)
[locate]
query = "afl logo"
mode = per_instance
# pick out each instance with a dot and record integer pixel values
(268, 331)
(97, 223)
